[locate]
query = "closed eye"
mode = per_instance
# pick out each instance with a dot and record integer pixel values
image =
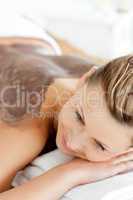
(79, 117)
(99, 145)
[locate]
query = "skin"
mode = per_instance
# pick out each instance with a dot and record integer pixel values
(96, 133)
(28, 137)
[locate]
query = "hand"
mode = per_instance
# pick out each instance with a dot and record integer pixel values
(86, 172)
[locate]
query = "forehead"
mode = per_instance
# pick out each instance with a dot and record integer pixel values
(99, 121)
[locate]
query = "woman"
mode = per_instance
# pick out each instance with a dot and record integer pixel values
(86, 111)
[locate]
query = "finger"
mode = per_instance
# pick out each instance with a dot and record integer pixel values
(123, 158)
(124, 152)
(122, 167)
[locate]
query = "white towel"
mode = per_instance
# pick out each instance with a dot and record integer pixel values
(40, 165)
(101, 190)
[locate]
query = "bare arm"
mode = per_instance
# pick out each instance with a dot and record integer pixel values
(49, 186)
(54, 183)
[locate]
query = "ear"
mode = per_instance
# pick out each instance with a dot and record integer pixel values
(85, 76)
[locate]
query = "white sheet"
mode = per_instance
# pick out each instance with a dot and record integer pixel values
(24, 25)
(94, 191)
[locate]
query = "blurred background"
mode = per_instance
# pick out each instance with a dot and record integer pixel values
(102, 28)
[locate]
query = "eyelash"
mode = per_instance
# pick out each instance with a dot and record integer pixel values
(78, 116)
(100, 146)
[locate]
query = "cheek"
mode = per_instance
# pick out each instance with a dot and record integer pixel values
(97, 155)
(65, 122)
(67, 117)
(73, 129)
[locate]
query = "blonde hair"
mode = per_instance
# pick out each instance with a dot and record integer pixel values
(116, 78)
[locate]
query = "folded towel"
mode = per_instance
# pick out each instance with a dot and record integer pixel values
(101, 190)
(40, 165)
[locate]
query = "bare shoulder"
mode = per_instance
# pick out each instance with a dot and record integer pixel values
(74, 66)
(19, 145)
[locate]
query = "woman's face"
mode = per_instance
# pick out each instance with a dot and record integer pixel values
(87, 130)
